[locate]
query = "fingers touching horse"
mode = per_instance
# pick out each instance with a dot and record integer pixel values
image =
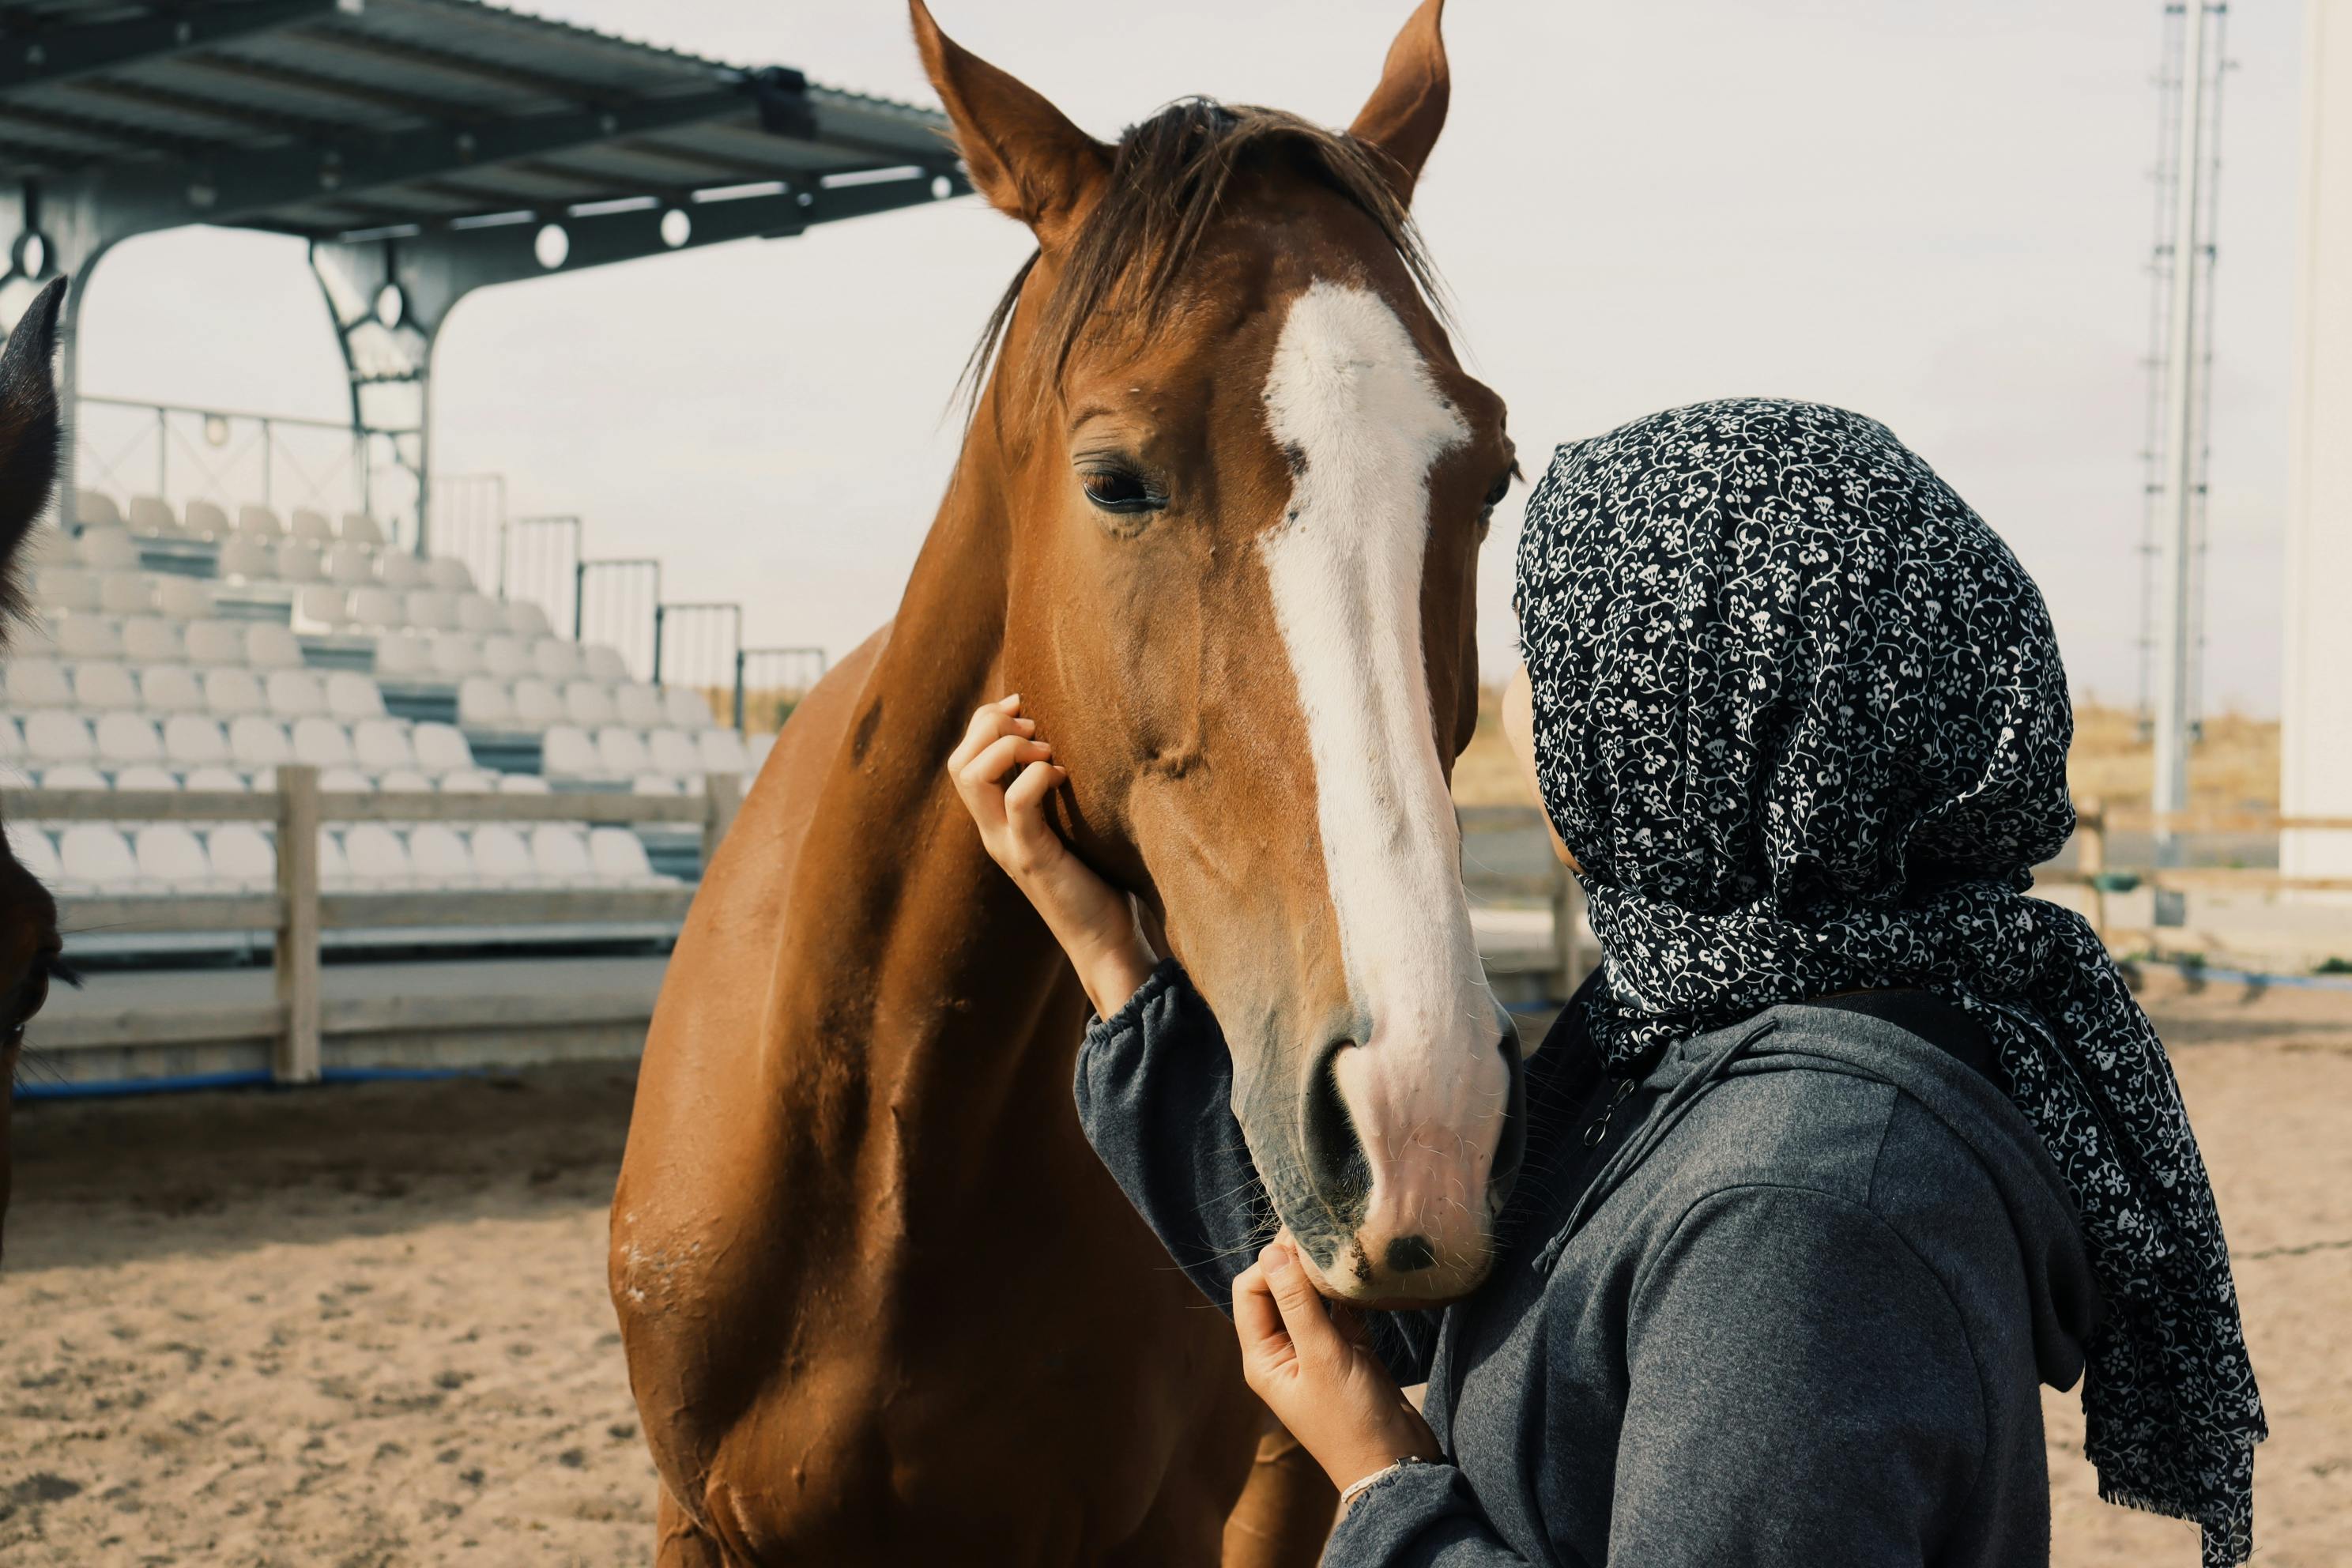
(1216, 519)
(28, 472)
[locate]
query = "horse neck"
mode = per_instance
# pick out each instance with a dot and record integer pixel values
(910, 962)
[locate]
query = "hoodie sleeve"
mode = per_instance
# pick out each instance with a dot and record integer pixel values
(1155, 1085)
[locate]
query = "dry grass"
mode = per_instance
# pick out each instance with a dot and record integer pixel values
(2236, 768)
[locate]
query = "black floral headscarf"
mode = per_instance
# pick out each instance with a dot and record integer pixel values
(1799, 716)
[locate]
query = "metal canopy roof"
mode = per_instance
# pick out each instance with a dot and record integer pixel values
(347, 119)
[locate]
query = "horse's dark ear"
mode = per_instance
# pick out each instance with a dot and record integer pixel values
(1024, 154)
(28, 431)
(1407, 111)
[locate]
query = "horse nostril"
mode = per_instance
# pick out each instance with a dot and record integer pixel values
(1342, 1177)
(1410, 1255)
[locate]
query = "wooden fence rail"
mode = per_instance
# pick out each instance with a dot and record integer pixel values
(301, 912)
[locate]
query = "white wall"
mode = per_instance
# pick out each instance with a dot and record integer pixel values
(2316, 764)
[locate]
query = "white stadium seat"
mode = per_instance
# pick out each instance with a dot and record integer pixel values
(193, 741)
(33, 639)
(272, 647)
(145, 776)
(258, 745)
(522, 784)
(12, 740)
(214, 642)
(402, 656)
(170, 689)
(103, 687)
(398, 569)
(322, 743)
(639, 703)
(485, 704)
(622, 752)
(567, 753)
(206, 520)
(110, 548)
(527, 620)
(46, 548)
(344, 780)
(602, 661)
(559, 854)
(241, 856)
(245, 557)
(405, 781)
(437, 857)
(377, 857)
(381, 745)
(555, 660)
(431, 611)
(759, 747)
(95, 508)
(94, 856)
(352, 697)
(70, 588)
(38, 683)
(334, 871)
(259, 522)
(127, 738)
(229, 692)
(89, 637)
(72, 775)
(587, 703)
(722, 752)
(150, 639)
(455, 656)
(687, 708)
(654, 784)
(311, 527)
(320, 603)
(536, 706)
(449, 574)
(507, 657)
(478, 616)
(294, 694)
(618, 858)
(172, 858)
(470, 781)
(674, 752)
(297, 561)
(502, 857)
(350, 566)
(53, 736)
(184, 598)
(361, 529)
(441, 749)
(126, 594)
(34, 851)
(226, 781)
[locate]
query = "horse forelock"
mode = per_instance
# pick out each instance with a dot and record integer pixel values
(1170, 178)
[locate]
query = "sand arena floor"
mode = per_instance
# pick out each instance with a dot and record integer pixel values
(368, 1326)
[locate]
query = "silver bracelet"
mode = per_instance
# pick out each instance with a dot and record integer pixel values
(1357, 1488)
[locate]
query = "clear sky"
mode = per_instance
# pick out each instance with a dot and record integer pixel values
(1940, 215)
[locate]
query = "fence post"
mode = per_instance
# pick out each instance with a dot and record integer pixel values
(724, 792)
(295, 1060)
(1567, 923)
(739, 686)
(2091, 827)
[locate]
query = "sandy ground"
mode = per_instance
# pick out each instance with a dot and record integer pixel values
(367, 1325)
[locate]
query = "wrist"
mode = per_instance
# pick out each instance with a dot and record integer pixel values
(1112, 966)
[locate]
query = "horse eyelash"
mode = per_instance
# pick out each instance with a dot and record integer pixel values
(54, 966)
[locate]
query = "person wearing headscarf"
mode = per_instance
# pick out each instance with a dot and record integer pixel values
(1848, 1144)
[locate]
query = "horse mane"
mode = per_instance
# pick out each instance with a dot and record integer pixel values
(1169, 176)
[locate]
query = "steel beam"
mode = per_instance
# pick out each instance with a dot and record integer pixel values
(64, 52)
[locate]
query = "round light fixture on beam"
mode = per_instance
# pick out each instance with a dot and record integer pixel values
(31, 255)
(676, 228)
(552, 246)
(941, 187)
(216, 430)
(391, 306)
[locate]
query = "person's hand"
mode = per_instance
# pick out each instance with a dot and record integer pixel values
(1005, 774)
(1311, 1360)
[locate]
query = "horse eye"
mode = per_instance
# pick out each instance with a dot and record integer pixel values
(1119, 490)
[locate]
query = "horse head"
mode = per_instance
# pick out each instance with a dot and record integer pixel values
(29, 470)
(1243, 481)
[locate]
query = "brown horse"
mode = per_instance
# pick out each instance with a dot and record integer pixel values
(1215, 517)
(29, 947)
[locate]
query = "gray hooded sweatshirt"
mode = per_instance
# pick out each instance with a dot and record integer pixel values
(1789, 1309)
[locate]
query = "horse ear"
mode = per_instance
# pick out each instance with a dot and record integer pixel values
(1407, 111)
(1025, 156)
(28, 429)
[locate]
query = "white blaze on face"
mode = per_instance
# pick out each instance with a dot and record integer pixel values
(1350, 397)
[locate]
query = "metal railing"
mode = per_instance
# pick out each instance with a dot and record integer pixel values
(225, 455)
(617, 602)
(700, 646)
(770, 683)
